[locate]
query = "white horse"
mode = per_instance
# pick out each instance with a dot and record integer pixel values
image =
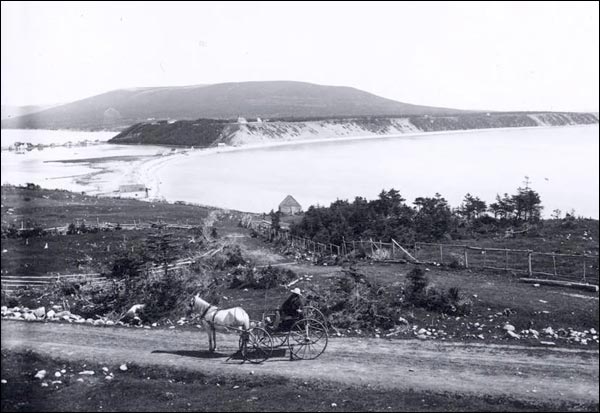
(212, 318)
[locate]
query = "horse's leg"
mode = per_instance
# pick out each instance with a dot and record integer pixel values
(209, 332)
(214, 333)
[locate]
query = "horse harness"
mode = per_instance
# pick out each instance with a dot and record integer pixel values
(212, 322)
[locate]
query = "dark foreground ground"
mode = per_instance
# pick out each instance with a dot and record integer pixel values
(159, 389)
(170, 370)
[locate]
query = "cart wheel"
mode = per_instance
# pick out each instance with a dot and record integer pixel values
(307, 339)
(256, 345)
(315, 314)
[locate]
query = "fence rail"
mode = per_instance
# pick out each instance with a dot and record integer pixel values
(534, 264)
(568, 267)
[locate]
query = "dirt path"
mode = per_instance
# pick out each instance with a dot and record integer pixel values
(525, 373)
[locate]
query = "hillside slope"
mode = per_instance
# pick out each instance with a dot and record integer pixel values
(207, 132)
(274, 99)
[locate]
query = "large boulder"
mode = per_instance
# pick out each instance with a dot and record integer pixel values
(40, 312)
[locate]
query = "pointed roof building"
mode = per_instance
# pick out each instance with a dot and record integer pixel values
(289, 206)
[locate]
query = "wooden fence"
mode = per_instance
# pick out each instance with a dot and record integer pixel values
(567, 267)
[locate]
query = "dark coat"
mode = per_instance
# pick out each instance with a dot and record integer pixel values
(291, 306)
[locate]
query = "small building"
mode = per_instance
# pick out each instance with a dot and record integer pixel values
(134, 188)
(242, 120)
(290, 206)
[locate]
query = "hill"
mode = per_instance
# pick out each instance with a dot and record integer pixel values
(211, 132)
(118, 109)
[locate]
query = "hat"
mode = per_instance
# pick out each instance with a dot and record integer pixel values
(297, 291)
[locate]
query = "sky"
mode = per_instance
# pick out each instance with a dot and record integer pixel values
(486, 56)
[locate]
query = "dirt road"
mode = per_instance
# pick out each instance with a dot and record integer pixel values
(525, 373)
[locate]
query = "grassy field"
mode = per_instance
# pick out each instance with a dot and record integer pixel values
(497, 298)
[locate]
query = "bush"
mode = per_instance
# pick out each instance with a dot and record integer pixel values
(261, 279)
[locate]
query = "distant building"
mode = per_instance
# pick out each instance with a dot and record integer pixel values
(133, 188)
(242, 120)
(221, 144)
(290, 206)
(258, 120)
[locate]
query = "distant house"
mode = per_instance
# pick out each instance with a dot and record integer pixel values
(133, 188)
(242, 120)
(290, 206)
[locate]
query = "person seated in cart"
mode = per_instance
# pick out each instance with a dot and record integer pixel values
(290, 311)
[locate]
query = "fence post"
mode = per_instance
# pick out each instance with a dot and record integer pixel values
(506, 259)
(484, 257)
(416, 252)
(441, 254)
(554, 263)
(372, 252)
(466, 258)
(584, 269)
(530, 268)
(393, 250)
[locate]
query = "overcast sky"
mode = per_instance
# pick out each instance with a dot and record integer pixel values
(497, 56)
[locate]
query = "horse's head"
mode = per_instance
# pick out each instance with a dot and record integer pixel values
(197, 305)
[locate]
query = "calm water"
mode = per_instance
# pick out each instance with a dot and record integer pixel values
(562, 165)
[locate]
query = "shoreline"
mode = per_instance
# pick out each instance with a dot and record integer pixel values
(146, 169)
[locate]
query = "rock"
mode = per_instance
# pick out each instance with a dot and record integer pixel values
(56, 382)
(422, 331)
(63, 371)
(3, 381)
(422, 337)
(44, 384)
(109, 378)
(99, 322)
(534, 332)
(61, 314)
(549, 331)
(509, 327)
(80, 380)
(105, 369)
(16, 315)
(40, 374)
(80, 321)
(123, 367)
(57, 374)
(110, 323)
(480, 336)
(536, 285)
(3, 309)
(513, 334)
(89, 321)
(593, 331)
(87, 373)
(29, 317)
(132, 312)
(50, 315)
(40, 312)
(543, 301)
(402, 320)
(333, 404)
(548, 343)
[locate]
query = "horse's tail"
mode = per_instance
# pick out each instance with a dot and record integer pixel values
(245, 320)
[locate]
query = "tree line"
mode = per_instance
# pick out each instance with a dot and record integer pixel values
(428, 219)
